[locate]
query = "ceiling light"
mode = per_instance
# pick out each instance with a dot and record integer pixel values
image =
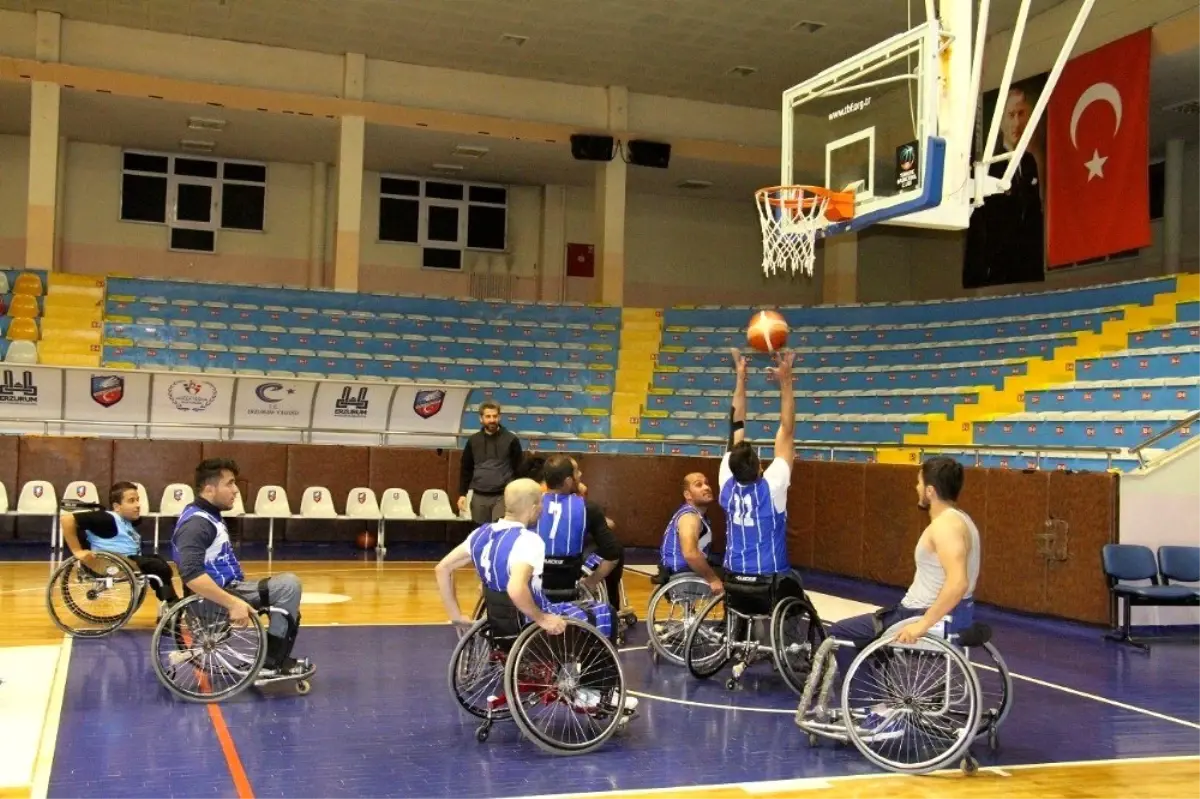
(196, 146)
(742, 72)
(694, 185)
(447, 167)
(470, 151)
(808, 26)
(513, 39)
(200, 123)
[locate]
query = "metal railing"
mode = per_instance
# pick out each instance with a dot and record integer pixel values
(1140, 448)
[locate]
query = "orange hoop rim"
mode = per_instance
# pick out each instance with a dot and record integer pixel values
(840, 203)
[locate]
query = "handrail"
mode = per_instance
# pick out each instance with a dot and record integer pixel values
(1137, 450)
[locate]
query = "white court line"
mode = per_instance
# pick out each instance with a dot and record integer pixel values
(694, 703)
(817, 783)
(45, 757)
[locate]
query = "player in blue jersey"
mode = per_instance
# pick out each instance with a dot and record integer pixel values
(688, 537)
(209, 568)
(568, 522)
(754, 499)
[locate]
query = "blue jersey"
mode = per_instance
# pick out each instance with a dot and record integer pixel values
(563, 524)
(671, 554)
(219, 561)
(126, 542)
(492, 548)
(757, 538)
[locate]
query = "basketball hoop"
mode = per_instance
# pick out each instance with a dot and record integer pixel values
(791, 218)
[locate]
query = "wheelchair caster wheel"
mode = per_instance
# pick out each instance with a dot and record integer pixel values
(730, 684)
(812, 739)
(654, 656)
(993, 739)
(970, 766)
(303, 687)
(481, 734)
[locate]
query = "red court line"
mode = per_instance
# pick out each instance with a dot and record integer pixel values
(240, 780)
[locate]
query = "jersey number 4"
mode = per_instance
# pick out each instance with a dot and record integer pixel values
(743, 510)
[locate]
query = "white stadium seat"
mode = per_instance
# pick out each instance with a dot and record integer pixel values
(38, 498)
(82, 491)
(317, 504)
(272, 503)
(435, 504)
(397, 505)
(361, 503)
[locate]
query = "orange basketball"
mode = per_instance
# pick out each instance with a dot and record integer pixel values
(768, 331)
(365, 540)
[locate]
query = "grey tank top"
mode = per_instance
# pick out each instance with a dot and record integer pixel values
(930, 576)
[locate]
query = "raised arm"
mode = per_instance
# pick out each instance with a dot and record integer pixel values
(785, 439)
(737, 418)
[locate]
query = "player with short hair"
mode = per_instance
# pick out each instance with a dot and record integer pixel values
(688, 537)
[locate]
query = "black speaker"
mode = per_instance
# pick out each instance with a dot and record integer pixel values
(585, 147)
(649, 153)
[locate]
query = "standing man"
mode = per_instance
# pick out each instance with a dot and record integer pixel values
(490, 461)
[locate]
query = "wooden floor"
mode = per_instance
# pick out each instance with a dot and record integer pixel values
(394, 593)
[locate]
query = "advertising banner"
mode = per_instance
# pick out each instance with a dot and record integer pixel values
(352, 406)
(30, 392)
(273, 402)
(427, 410)
(201, 400)
(107, 396)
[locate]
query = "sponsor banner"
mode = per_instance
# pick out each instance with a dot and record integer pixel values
(352, 406)
(30, 392)
(109, 396)
(202, 400)
(427, 410)
(272, 402)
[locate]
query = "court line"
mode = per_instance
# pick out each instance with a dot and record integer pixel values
(815, 783)
(694, 703)
(240, 781)
(50, 722)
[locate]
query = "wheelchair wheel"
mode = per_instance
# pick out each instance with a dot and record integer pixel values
(996, 687)
(707, 648)
(796, 634)
(911, 708)
(671, 614)
(200, 657)
(566, 692)
(91, 602)
(477, 672)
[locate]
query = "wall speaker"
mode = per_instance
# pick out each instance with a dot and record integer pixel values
(649, 153)
(586, 147)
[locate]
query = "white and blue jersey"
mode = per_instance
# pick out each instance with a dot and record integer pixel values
(757, 520)
(563, 524)
(671, 553)
(200, 542)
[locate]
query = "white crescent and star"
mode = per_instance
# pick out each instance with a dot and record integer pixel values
(1096, 93)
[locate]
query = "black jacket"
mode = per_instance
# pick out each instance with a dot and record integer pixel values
(489, 462)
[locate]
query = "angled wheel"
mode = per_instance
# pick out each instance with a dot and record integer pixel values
(93, 601)
(796, 634)
(476, 672)
(672, 612)
(996, 687)
(707, 648)
(201, 657)
(566, 692)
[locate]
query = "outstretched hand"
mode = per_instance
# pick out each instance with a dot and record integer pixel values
(782, 370)
(739, 361)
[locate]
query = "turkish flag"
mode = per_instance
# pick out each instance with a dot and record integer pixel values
(1098, 140)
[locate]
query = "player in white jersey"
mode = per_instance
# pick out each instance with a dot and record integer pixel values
(941, 597)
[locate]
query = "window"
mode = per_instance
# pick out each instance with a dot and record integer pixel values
(442, 216)
(194, 197)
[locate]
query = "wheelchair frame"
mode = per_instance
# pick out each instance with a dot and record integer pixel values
(660, 650)
(214, 655)
(816, 716)
(116, 571)
(518, 679)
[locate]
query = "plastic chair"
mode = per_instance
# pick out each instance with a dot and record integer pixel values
(24, 306)
(23, 330)
(435, 504)
(317, 504)
(397, 504)
(1179, 564)
(27, 283)
(25, 352)
(175, 497)
(82, 491)
(1127, 562)
(272, 503)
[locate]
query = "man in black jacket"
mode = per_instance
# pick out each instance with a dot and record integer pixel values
(490, 461)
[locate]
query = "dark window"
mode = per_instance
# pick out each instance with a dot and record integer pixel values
(243, 207)
(1158, 182)
(193, 202)
(192, 239)
(143, 198)
(196, 167)
(140, 162)
(443, 191)
(251, 173)
(399, 220)
(405, 188)
(438, 258)
(487, 194)
(486, 227)
(443, 223)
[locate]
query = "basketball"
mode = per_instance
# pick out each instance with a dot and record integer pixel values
(768, 331)
(365, 540)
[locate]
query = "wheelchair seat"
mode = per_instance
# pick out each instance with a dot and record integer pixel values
(977, 634)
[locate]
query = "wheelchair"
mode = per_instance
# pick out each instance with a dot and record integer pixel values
(559, 571)
(732, 626)
(201, 657)
(566, 692)
(672, 612)
(95, 601)
(911, 708)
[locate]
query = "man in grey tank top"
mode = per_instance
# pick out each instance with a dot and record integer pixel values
(947, 567)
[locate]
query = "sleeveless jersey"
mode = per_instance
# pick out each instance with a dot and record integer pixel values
(671, 554)
(562, 524)
(219, 561)
(126, 542)
(929, 576)
(491, 548)
(757, 539)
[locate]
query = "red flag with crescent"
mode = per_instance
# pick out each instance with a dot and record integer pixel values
(1098, 141)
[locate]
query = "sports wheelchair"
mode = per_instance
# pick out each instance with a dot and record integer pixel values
(672, 612)
(565, 692)
(730, 627)
(200, 656)
(560, 571)
(911, 708)
(94, 601)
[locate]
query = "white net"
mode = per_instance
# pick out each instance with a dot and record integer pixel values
(790, 217)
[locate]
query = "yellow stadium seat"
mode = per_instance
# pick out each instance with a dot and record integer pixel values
(60, 281)
(22, 329)
(24, 305)
(71, 302)
(68, 353)
(71, 331)
(27, 283)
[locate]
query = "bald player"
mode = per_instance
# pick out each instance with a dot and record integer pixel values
(509, 558)
(688, 537)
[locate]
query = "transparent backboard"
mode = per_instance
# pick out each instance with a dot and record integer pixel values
(870, 124)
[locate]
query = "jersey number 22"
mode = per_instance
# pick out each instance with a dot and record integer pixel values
(743, 510)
